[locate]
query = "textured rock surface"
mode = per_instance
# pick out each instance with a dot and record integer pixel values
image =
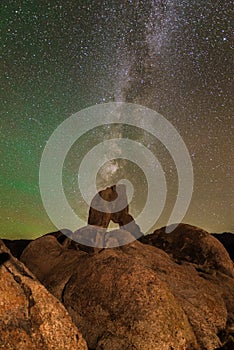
(17, 246)
(207, 297)
(176, 291)
(94, 237)
(114, 207)
(119, 304)
(111, 297)
(52, 263)
(138, 296)
(30, 317)
(192, 244)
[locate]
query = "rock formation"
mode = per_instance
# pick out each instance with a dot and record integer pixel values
(30, 317)
(127, 307)
(140, 297)
(108, 205)
(111, 204)
(163, 291)
(115, 302)
(192, 244)
(52, 263)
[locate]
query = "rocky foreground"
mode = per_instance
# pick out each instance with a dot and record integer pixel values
(163, 291)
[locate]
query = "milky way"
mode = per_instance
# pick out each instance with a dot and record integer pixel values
(60, 57)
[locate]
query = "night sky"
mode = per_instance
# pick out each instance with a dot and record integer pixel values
(59, 57)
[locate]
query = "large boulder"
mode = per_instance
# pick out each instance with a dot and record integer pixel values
(192, 244)
(206, 296)
(51, 262)
(114, 301)
(93, 238)
(118, 303)
(139, 296)
(30, 317)
(17, 246)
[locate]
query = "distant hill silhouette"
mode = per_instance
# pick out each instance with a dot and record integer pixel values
(227, 239)
(16, 246)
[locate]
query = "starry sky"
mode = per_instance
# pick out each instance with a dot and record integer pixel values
(60, 57)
